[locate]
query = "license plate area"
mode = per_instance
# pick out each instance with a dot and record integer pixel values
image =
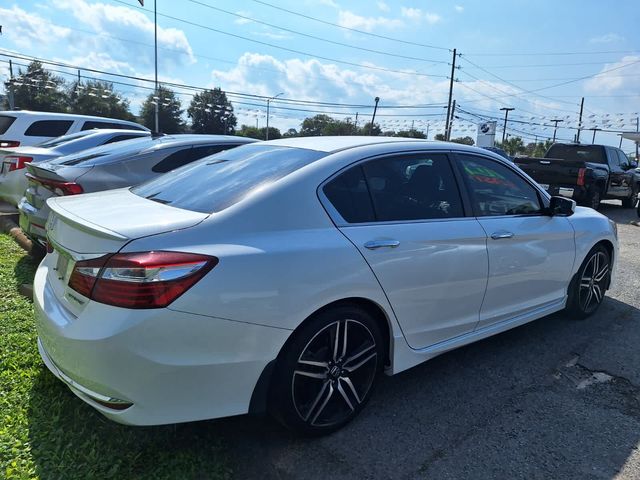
(64, 263)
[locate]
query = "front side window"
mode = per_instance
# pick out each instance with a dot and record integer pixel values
(410, 187)
(496, 189)
(48, 128)
(172, 161)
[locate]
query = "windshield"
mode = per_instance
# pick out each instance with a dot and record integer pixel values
(216, 182)
(585, 153)
(54, 142)
(85, 157)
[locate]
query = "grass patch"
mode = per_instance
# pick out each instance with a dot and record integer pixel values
(47, 432)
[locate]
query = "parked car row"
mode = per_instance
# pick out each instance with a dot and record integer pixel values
(286, 275)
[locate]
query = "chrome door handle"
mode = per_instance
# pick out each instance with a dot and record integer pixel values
(375, 244)
(501, 234)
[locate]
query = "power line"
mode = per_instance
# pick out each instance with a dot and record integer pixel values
(362, 32)
(286, 49)
(250, 19)
(544, 54)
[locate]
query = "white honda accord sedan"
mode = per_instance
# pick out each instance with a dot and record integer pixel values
(286, 275)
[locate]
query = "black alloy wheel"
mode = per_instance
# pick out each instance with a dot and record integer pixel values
(590, 283)
(327, 372)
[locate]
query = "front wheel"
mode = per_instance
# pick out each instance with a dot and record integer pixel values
(326, 373)
(589, 285)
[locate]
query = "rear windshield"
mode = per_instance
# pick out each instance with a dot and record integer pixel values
(585, 153)
(104, 153)
(5, 123)
(54, 142)
(214, 183)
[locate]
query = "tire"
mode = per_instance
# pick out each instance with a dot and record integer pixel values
(589, 285)
(631, 201)
(594, 198)
(320, 382)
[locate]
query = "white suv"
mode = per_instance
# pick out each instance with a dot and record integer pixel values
(22, 127)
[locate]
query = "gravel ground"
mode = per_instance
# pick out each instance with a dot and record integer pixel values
(553, 399)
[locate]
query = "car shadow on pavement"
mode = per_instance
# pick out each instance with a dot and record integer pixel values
(615, 212)
(556, 398)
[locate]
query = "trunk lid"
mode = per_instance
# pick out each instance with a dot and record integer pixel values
(87, 226)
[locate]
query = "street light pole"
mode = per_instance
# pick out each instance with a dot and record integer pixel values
(373, 117)
(555, 128)
(268, 100)
(506, 114)
(155, 44)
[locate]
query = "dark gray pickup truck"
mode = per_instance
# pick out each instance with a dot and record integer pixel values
(586, 173)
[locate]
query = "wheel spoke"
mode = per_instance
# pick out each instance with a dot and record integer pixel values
(340, 340)
(597, 292)
(598, 277)
(353, 368)
(345, 396)
(320, 402)
(308, 368)
(585, 282)
(588, 299)
(354, 357)
(349, 383)
(596, 264)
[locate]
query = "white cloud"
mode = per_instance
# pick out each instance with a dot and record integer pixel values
(242, 21)
(459, 8)
(125, 22)
(351, 20)
(606, 38)
(329, 3)
(417, 15)
(620, 81)
(383, 6)
(26, 28)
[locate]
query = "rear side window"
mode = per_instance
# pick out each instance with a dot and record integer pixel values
(5, 123)
(48, 128)
(204, 151)
(349, 195)
(120, 138)
(91, 124)
(585, 153)
(173, 161)
(214, 183)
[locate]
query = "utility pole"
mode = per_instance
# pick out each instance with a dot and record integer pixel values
(269, 100)
(155, 49)
(555, 128)
(580, 121)
(10, 93)
(595, 129)
(453, 69)
(506, 115)
(373, 117)
(637, 130)
(427, 135)
(453, 115)
(356, 122)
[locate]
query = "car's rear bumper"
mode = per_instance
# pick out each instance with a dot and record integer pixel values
(163, 366)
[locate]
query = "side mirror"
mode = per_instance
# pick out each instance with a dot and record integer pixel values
(633, 164)
(562, 206)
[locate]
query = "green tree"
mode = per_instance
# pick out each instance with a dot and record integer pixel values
(367, 130)
(440, 136)
(315, 126)
(411, 133)
(169, 111)
(259, 133)
(292, 132)
(98, 98)
(512, 145)
(464, 140)
(37, 89)
(211, 112)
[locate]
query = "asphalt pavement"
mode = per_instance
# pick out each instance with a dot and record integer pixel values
(556, 398)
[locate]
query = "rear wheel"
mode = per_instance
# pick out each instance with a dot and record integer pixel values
(326, 373)
(589, 285)
(594, 198)
(630, 202)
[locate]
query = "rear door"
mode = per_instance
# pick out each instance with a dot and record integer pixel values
(405, 215)
(531, 254)
(617, 175)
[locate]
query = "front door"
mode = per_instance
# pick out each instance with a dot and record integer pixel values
(531, 254)
(405, 216)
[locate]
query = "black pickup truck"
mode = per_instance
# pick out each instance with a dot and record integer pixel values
(586, 173)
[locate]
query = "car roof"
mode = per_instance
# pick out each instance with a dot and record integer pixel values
(184, 138)
(29, 113)
(338, 143)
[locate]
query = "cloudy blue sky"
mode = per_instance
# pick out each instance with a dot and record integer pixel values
(539, 57)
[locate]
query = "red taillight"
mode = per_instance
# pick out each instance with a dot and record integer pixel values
(581, 173)
(56, 186)
(9, 143)
(16, 162)
(139, 280)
